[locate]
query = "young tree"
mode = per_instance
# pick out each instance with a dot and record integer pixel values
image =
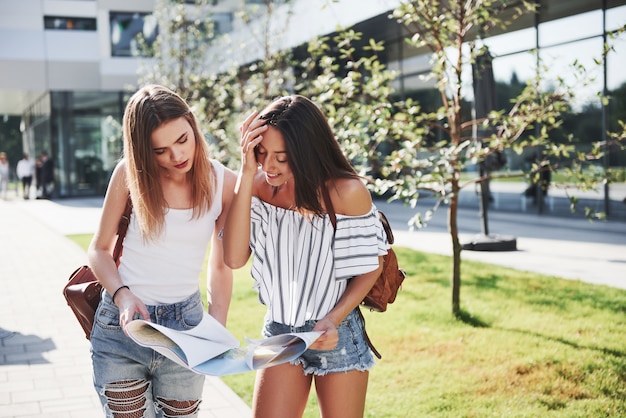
(354, 90)
(422, 151)
(269, 73)
(427, 151)
(451, 30)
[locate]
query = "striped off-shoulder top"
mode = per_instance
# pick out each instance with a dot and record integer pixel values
(300, 271)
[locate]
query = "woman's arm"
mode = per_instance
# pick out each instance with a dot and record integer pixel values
(220, 276)
(236, 239)
(349, 197)
(100, 251)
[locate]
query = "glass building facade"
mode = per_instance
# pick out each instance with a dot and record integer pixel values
(81, 129)
(562, 44)
(81, 132)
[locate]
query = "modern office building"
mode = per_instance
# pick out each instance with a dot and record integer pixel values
(66, 66)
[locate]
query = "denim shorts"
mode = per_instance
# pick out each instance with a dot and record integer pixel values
(350, 353)
(116, 357)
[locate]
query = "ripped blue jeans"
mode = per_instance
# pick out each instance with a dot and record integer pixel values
(137, 382)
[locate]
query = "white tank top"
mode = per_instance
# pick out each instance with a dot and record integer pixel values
(167, 270)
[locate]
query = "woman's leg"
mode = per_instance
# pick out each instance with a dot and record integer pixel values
(342, 395)
(280, 392)
(127, 399)
(177, 391)
(120, 367)
(130, 379)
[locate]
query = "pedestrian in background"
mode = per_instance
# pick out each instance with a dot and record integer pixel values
(47, 175)
(38, 170)
(25, 170)
(5, 171)
(179, 200)
(310, 276)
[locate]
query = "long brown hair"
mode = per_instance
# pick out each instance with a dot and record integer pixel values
(148, 109)
(313, 153)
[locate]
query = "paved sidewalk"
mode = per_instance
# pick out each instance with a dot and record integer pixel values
(45, 366)
(555, 242)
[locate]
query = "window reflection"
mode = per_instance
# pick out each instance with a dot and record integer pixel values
(563, 44)
(86, 144)
(616, 58)
(571, 28)
(69, 23)
(559, 61)
(512, 42)
(615, 18)
(126, 30)
(616, 84)
(521, 67)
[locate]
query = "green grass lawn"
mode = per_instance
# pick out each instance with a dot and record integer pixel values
(530, 345)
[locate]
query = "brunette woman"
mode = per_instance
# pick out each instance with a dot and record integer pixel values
(310, 275)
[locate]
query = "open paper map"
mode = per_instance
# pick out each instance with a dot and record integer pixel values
(211, 349)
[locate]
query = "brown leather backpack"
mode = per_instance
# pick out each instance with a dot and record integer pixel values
(388, 283)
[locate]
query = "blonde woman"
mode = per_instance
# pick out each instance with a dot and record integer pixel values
(180, 197)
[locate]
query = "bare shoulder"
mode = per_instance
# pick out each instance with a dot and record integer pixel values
(114, 203)
(230, 178)
(120, 166)
(350, 196)
(118, 177)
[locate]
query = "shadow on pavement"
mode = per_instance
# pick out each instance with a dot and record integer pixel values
(17, 348)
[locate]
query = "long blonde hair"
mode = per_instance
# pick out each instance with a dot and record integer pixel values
(147, 110)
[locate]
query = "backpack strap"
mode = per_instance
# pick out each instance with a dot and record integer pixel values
(386, 227)
(333, 219)
(367, 338)
(121, 231)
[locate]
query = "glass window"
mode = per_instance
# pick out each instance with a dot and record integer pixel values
(223, 23)
(408, 84)
(511, 73)
(512, 42)
(69, 23)
(616, 83)
(126, 30)
(559, 63)
(616, 61)
(86, 126)
(615, 18)
(520, 66)
(580, 26)
(584, 120)
(411, 65)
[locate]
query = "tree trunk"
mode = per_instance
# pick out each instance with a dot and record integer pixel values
(456, 248)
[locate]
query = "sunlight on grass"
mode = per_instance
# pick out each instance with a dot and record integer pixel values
(529, 344)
